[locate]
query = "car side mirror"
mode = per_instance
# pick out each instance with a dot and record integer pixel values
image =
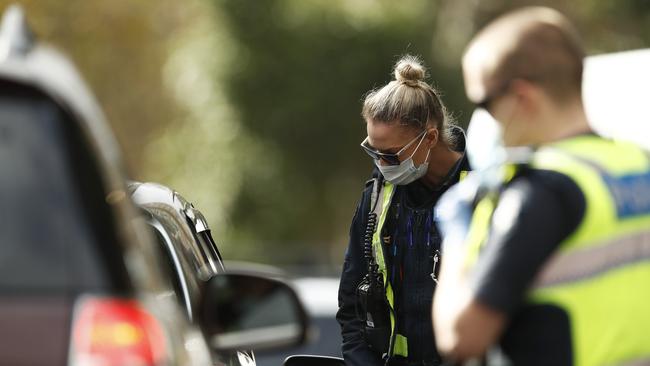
(246, 311)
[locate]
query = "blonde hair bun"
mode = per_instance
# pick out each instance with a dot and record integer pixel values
(409, 70)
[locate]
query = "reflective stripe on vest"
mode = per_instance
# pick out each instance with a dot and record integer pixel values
(606, 259)
(583, 263)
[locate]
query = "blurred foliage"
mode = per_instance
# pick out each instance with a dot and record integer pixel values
(283, 182)
(280, 162)
(120, 47)
(251, 109)
(304, 68)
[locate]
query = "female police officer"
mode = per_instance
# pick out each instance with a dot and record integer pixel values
(389, 273)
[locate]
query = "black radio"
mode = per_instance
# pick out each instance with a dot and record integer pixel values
(374, 312)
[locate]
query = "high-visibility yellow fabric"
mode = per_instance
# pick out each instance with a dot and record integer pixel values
(478, 230)
(401, 345)
(607, 300)
(608, 310)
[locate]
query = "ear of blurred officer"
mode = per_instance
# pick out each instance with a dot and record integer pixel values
(525, 68)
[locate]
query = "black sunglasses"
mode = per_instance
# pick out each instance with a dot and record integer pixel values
(489, 99)
(502, 90)
(388, 158)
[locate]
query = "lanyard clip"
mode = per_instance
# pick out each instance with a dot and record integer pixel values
(435, 269)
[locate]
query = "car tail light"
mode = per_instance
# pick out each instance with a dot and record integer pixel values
(109, 331)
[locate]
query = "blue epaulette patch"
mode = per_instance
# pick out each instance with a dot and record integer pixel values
(631, 193)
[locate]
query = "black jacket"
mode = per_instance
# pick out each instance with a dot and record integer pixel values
(410, 222)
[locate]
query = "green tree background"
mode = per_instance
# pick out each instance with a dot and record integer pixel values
(250, 109)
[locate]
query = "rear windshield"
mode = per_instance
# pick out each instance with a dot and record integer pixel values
(52, 211)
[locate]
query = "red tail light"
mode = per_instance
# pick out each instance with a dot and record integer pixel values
(110, 332)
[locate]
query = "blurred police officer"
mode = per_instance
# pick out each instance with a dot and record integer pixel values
(555, 265)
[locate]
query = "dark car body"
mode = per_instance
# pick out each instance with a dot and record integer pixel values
(192, 256)
(79, 278)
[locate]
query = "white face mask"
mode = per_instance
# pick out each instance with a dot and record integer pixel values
(406, 172)
(485, 148)
(486, 151)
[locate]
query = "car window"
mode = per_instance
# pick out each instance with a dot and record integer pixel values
(177, 262)
(49, 223)
(172, 268)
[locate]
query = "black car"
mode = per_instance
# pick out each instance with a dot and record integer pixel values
(191, 255)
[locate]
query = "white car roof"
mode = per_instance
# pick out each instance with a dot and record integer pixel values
(615, 92)
(318, 294)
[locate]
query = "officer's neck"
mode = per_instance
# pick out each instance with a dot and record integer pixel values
(570, 120)
(441, 160)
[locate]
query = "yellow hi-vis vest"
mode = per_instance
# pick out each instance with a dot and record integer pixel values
(600, 274)
(399, 344)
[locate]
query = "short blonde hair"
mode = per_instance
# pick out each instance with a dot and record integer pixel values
(408, 100)
(538, 44)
